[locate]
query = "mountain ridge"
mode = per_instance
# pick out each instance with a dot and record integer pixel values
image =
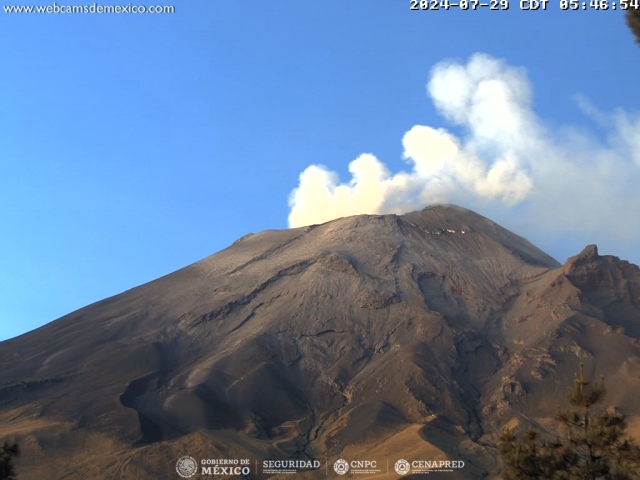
(437, 325)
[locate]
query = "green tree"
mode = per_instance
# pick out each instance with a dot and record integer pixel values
(633, 21)
(594, 446)
(8, 453)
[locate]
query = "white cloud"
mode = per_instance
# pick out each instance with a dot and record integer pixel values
(320, 197)
(569, 178)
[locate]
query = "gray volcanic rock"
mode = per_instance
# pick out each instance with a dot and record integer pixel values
(384, 335)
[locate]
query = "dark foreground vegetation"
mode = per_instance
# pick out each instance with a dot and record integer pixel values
(9, 452)
(593, 445)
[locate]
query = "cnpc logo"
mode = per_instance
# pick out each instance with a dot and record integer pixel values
(341, 466)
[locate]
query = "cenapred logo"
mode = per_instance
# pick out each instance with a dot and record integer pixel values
(341, 466)
(402, 467)
(187, 466)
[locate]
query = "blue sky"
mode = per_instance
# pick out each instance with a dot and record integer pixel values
(133, 145)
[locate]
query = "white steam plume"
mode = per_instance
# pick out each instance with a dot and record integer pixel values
(573, 180)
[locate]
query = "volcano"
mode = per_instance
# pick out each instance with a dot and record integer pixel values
(371, 338)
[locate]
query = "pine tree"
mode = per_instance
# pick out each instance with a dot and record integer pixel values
(7, 471)
(633, 22)
(594, 447)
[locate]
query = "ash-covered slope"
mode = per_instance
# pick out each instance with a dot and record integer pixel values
(362, 334)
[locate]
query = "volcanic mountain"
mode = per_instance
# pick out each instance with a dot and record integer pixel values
(373, 337)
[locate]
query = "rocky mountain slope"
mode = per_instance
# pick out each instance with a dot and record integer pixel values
(414, 336)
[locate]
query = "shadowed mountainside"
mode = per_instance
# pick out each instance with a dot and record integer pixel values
(410, 336)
